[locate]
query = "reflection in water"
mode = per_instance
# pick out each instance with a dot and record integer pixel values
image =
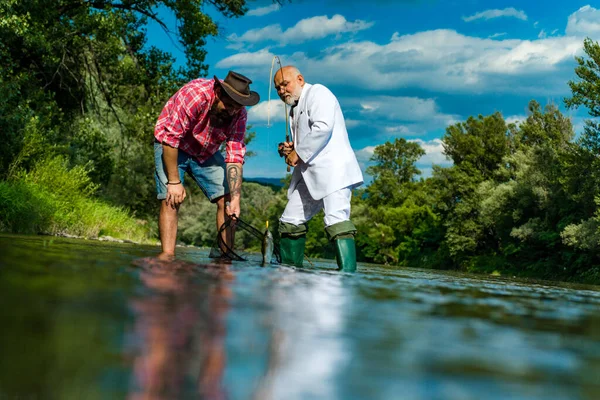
(313, 325)
(180, 326)
(78, 322)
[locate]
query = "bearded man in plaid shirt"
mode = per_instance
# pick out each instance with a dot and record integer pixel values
(195, 122)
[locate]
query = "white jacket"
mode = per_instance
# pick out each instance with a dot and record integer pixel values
(327, 162)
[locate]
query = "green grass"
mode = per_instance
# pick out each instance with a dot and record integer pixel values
(54, 199)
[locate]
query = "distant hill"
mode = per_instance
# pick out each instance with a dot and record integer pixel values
(276, 182)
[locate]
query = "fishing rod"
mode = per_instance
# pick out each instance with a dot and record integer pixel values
(287, 127)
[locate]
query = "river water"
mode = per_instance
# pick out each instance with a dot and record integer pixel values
(95, 320)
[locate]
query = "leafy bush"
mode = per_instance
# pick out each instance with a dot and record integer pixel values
(55, 199)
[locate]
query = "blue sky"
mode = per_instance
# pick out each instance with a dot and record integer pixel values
(403, 68)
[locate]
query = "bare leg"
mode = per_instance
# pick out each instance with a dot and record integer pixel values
(167, 227)
(228, 234)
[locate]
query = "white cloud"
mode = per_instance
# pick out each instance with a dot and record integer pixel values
(352, 123)
(313, 28)
(269, 32)
(258, 12)
(397, 116)
(534, 56)
(584, 22)
(398, 108)
(402, 109)
(258, 60)
(368, 107)
(497, 35)
(400, 129)
(490, 14)
(542, 34)
(364, 155)
(515, 119)
(433, 156)
(260, 113)
(439, 60)
(320, 27)
(433, 152)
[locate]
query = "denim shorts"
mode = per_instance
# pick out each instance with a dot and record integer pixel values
(209, 175)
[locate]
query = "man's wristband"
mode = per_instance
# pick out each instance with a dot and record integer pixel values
(173, 183)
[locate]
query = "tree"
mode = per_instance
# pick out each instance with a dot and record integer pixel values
(477, 148)
(582, 163)
(478, 143)
(586, 91)
(395, 221)
(84, 69)
(394, 168)
(65, 42)
(543, 127)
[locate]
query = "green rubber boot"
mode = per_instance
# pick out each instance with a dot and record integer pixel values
(345, 254)
(342, 236)
(292, 250)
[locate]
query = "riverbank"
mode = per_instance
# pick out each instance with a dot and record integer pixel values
(56, 200)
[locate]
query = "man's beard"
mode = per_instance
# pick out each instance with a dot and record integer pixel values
(292, 98)
(220, 119)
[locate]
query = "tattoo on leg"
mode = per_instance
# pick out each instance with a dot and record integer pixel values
(234, 178)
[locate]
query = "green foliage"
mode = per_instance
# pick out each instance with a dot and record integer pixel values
(582, 166)
(24, 208)
(397, 158)
(81, 92)
(53, 174)
(55, 199)
(317, 244)
(83, 70)
(76, 48)
(479, 144)
(393, 215)
(394, 168)
(519, 199)
(132, 183)
(544, 127)
(404, 233)
(91, 147)
(586, 91)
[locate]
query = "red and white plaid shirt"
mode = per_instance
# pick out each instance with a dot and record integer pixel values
(184, 124)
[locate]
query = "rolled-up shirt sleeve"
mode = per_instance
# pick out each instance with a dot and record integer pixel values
(236, 148)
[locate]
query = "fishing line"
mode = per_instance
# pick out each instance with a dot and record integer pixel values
(227, 251)
(287, 127)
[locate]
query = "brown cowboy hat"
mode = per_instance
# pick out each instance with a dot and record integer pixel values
(237, 86)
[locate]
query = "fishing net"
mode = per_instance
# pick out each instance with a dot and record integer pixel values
(250, 243)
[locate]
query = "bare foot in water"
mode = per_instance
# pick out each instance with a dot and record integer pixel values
(166, 256)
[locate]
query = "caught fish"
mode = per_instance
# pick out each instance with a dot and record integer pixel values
(267, 247)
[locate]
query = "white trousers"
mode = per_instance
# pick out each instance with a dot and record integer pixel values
(301, 207)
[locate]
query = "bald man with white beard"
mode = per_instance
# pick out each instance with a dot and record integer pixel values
(325, 169)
